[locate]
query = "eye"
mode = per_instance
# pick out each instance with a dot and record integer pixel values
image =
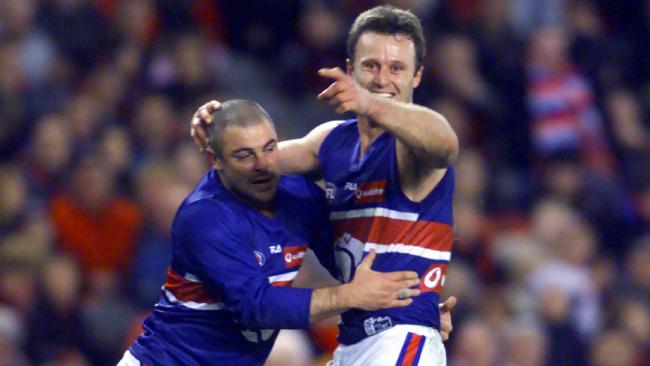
(270, 148)
(369, 66)
(242, 155)
(395, 68)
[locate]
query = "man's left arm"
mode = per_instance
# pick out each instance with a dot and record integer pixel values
(423, 131)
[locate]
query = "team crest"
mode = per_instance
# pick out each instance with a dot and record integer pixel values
(261, 259)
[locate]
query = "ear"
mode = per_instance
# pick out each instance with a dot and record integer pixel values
(348, 66)
(214, 158)
(418, 77)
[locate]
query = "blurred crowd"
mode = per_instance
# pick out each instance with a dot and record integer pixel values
(550, 99)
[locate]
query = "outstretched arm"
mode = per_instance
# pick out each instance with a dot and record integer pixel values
(244, 289)
(297, 156)
(423, 131)
(300, 156)
(369, 290)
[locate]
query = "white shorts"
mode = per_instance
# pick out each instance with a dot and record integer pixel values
(129, 360)
(401, 345)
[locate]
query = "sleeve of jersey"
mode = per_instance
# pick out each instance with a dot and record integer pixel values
(216, 246)
(320, 233)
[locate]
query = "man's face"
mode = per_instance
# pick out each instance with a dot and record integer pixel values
(385, 65)
(248, 161)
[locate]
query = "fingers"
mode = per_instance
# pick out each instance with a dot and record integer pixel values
(398, 303)
(329, 92)
(200, 119)
(339, 86)
(366, 263)
(402, 276)
(197, 141)
(333, 73)
(204, 113)
(206, 110)
(406, 293)
(444, 335)
(448, 304)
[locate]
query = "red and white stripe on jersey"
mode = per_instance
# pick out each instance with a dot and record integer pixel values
(189, 291)
(285, 279)
(390, 231)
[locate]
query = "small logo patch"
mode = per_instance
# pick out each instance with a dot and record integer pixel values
(377, 324)
(330, 191)
(261, 259)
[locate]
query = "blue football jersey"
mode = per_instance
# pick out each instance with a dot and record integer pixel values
(228, 286)
(369, 211)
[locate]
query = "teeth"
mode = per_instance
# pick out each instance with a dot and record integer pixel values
(383, 95)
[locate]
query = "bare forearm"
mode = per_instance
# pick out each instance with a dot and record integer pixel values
(424, 131)
(295, 158)
(329, 301)
(300, 156)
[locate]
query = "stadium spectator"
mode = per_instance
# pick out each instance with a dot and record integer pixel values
(93, 222)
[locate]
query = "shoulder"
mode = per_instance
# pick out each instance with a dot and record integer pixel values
(208, 214)
(322, 131)
(330, 126)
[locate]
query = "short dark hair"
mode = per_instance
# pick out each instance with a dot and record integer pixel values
(387, 19)
(236, 112)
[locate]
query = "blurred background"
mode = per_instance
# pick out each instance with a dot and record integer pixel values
(550, 99)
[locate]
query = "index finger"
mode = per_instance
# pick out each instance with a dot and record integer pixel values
(333, 73)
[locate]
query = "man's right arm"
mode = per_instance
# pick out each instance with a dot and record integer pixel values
(225, 262)
(300, 156)
(368, 290)
(297, 156)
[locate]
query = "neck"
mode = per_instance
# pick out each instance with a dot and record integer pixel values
(369, 130)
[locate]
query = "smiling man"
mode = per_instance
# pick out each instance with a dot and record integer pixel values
(389, 180)
(238, 241)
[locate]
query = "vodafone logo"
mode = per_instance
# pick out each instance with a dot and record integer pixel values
(293, 255)
(370, 192)
(434, 278)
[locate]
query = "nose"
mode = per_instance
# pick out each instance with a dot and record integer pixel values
(262, 162)
(381, 77)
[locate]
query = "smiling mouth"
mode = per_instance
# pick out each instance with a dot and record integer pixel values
(384, 95)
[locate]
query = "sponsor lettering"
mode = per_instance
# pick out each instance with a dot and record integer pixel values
(370, 192)
(293, 255)
(434, 278)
